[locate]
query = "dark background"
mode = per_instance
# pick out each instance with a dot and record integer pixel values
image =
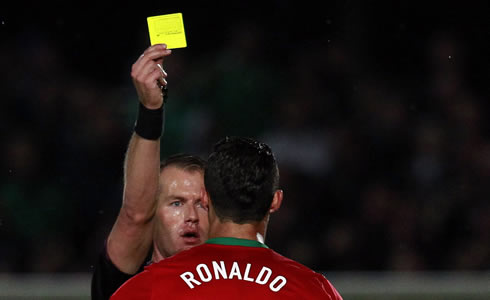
(376, 110)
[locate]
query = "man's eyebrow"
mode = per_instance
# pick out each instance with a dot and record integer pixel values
(176, 197)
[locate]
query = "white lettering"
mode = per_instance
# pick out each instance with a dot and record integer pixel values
(188, 277)
(245, 276)
(235, 271)
(280, 285)
(219, 269)
(259, 279)
(199, 269)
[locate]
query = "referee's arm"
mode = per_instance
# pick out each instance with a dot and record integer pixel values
(130, 240)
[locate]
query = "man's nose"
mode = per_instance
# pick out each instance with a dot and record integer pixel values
(191, 214)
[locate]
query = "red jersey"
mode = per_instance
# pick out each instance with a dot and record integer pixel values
(227, 268)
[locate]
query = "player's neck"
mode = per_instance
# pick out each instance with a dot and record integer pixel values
(250, 231)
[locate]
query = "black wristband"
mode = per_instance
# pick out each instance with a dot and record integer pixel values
(149, 124)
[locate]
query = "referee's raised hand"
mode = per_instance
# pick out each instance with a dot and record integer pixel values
(148, 76)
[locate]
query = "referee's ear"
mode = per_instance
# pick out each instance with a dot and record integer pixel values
(276, 201)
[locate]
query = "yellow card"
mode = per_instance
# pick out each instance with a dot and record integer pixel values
(167, 29)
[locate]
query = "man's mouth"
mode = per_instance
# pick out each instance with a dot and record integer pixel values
(191, 237)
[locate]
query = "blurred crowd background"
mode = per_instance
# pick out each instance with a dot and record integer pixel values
(377, 113)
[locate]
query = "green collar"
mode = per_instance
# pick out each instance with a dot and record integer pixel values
(235, 242)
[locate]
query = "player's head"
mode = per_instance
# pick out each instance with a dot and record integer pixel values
(182, 220)
(242, 180)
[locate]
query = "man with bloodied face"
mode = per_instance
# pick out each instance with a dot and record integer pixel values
(182, 217)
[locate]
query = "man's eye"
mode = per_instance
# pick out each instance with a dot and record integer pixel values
(201, 205)
(176, 203)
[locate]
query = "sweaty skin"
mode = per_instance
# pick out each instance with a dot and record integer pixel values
(183, 221)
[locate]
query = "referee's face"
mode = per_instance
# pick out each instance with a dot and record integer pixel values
(182, 218)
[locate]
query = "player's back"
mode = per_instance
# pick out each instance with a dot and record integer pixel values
(228, 268)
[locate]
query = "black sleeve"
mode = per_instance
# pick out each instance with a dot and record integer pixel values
(107, 278)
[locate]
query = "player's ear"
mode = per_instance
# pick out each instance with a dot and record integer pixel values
(276, 201)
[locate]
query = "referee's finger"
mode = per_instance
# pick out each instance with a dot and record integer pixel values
(149, 50)
(156, 51)
(155, 79)
(155, 48)
(147, 69)
(153, 57)
(153, 53)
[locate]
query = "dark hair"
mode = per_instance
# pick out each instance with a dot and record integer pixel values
(184, 161)
(241, 178)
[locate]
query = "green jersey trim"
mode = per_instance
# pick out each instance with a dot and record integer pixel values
(235, 242)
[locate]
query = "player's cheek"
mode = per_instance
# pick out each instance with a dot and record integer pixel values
(177, 216)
